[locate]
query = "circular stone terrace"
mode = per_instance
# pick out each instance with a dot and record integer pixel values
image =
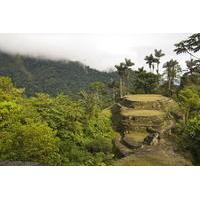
(142, 113)
(145, 97)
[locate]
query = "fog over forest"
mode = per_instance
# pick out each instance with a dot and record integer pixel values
(99, 51)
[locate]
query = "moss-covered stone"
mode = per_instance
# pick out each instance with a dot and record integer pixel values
(120, 149)
(134, 140)
(137, 112)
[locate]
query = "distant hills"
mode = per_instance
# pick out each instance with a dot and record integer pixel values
(52, 77)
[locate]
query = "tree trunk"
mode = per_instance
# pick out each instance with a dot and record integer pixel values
(150, 67)
(113, 94)
(169, 84)
(121, 87)
(157, 68)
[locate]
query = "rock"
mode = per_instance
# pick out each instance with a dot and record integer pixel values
(132, 144)
(152, 139)
(120, 148)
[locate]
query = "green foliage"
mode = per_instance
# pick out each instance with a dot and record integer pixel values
(190, 45)
(34, 142)
(190, 138)
(143, 82)
(8, 91)
(123, 70)
(97, 87)
(100, 144)
(53, 130)
(40, 75)
(190, 102)
(172, 74)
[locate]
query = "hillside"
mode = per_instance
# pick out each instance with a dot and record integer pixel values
(52, 77)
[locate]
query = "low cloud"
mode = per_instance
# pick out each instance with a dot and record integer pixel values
(99, 51)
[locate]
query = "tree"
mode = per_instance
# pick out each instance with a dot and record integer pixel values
(190, 45)
(123, 71)
(190, 138)
(158, 54)
(142, 81)
(128, 64)
(114, 87)
(39, 75)
(97, 87)
(54, 130)
(150, 61)
(34, 142)
(172, 71)
(193, 65)
(189, 101)
(8, 91)
(91, 104)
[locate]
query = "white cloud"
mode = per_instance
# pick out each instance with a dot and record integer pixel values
(100, 51)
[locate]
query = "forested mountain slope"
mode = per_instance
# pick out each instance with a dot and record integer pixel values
(52, 77)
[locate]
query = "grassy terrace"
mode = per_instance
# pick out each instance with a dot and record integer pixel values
(145, 97)
(142, 113)
(136, 136)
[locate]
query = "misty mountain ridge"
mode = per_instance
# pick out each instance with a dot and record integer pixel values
(39, 74)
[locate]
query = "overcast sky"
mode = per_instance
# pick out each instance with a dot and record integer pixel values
(100, 51)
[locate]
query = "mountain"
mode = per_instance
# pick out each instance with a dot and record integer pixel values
(50, 76)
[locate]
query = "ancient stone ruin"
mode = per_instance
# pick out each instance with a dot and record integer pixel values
(142, 120)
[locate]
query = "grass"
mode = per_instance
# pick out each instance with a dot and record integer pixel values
(143, 113)
(155, 158)
(145, 97)
(136, 136)
(107, 112)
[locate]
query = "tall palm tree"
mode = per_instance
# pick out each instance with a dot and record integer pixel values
(123, 71)
(150, 60)
(128, 64)
(172, 71)
(158, 54)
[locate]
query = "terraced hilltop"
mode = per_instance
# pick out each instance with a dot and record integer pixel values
(144, 124)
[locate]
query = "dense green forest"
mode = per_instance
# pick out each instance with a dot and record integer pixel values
(42, 122)
(52, 77)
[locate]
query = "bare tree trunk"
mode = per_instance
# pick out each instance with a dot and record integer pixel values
(121, 87)
(113, 94)
(157, 68)
(169, 84)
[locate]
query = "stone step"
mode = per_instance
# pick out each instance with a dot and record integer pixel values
(166, 128)
(150, 102)
(134, 140)
(122, 150)
(130, 112)
(144, 101)
(136, 120)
